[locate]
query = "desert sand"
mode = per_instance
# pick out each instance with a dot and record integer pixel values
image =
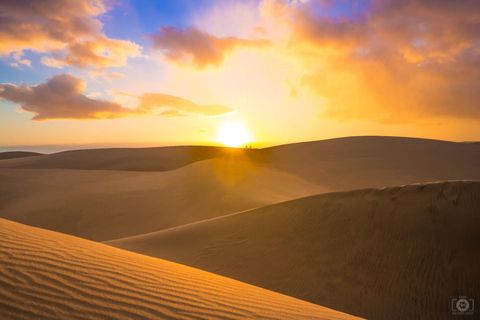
(47, 275)
(341, 163)
(105, 205)
(196, 183)
(127, 159)
(393, 253)
(377, 227)
(376, 162)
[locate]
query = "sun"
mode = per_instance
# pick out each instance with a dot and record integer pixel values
(233, 134)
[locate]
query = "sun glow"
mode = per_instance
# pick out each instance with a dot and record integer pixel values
(233, 134)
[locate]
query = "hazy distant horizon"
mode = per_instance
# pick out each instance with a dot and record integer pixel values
(53, 148)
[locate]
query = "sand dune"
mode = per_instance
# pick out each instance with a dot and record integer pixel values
(105, 205)
(47, 275)
(17, 154)
(126, 159)
(375, 162)
(394, 253)
(199, 183)
(337, 164)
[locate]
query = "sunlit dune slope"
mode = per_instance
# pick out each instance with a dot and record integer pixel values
(394, 253)
(375, 162)
(47, 275)
(17, 154)
(105, 205)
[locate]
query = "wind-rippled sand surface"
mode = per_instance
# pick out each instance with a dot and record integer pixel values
(47, 275)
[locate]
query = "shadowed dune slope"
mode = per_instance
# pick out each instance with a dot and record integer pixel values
(106, 205)
(47, 275)
(394, 253)
(125, 159)
(17, 154)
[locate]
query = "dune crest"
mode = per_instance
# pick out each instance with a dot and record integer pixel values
(47, 275)
(392, 253)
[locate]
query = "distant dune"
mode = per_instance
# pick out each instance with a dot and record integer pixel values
(393, 253)
(339, 164)
(197, 183)
(17, 154)
(47, 275)
(125, 159)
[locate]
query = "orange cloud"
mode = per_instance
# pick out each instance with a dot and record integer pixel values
(68, 30)
(108, 76)
(176, 106)
(192, 46)
(62, 97)
(398, 61)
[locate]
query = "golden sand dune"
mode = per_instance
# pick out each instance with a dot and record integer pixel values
(375, 162)
(393, 253)
(105, 205)
(47, 275)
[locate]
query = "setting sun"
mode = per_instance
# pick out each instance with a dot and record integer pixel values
(233, 134)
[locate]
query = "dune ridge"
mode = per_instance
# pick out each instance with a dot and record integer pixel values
(392, 253)
(48, 275)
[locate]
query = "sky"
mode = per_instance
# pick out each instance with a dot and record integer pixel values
(79, 73)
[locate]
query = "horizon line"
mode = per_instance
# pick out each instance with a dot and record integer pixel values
(55, 148)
